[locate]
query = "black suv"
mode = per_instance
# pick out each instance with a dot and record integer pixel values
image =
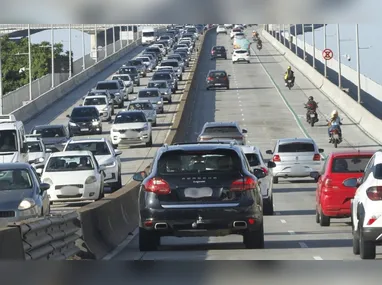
(217, 78)
(218, 52)
(84, 120)
(200, 189)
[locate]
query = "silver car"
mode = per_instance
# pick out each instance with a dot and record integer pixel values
(141, 67)
(37, 153)
(164, 87)
(127, 81)
(154, 96)
(175, 65)
(114, 87)
(223, 131)
(179, 59)
(146, 107)
(295, 157)
(148, 62)
(23, 196)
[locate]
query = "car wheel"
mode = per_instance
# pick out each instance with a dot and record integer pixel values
(181, 78)
(268, 207)
(173, 91)
(154, 124)
(139, 83)
(117, 185)
(148, 240)
(254, 239)
(275, 180)
(356, 243)
(100, 132)
(367, 249)
(317, 216)
(248, 61)
(112, 111)
(169, 100)
(324, 220)
(115, 146)
(132, 90)
(150, 143)
(121, 105)
(101, 194)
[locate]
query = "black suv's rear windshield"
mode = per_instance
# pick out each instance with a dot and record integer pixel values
(183, 162)
(217, 74)
(253, 159)
(170, 63)
(219, 48)
(219, 130)
(354, 164)
(296, 147)
(148, 94)
(107, 86)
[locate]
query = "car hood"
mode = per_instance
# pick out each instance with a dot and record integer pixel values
(11, 199)
(83, 119)
(104, 159)
(7, 157)
(129, 126)
(34, 155)
(53, 141)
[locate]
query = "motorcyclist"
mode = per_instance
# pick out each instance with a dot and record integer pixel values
(334, 123)
(255, 34)
(311, 105)
(289, 74)
(259, 43)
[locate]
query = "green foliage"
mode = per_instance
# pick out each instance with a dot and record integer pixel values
(14, 56)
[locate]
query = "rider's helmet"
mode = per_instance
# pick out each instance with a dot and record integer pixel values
(334, 114)
(310, 98)
(289, 68)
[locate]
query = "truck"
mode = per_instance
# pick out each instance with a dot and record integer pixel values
(149, 35)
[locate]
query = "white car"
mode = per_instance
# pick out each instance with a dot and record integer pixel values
(131, 128)
(161, 47)
(240, 55)
(105, 155)
(102, 104)
(37, 153)
(127, 81)
(260, 168)
(73, 176)
(221, 30)
(234, 31)
(366, 208)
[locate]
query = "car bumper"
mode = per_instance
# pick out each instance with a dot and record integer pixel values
(243, 59)
(331, 208)
(140, 138)
(136, 80)
(218, 56)
(295, 171)
(159, 108)
(214, 85)
(372, 233)
(180, 221)
(84, 130)
(88, 192)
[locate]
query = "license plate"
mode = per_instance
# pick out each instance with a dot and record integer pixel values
(84, 130)
(218, 84)
(312, 115)
(335, 136)
(198, 192)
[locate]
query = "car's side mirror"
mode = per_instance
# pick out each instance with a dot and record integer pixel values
(44, 187)
(68, 116)
(315, 175)
(259, 173)
(351, 182)
(245, 131)
(271, 164)
(117, 152)
(139, 176)
(321, 150)
(269, 152)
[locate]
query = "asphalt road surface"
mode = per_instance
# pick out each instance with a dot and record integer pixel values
(261, 103)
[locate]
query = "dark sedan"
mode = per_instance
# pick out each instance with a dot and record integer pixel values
(217, 78)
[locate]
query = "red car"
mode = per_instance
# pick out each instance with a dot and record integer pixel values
(332, 197)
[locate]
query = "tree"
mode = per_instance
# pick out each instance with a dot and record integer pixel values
(14, 57)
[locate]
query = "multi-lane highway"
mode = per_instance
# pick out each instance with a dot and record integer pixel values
(261, 103)
(134, 158)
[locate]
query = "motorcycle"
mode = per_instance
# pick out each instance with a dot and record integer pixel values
(335, 137)
(289, 84)
(312, 117)
(259, 46)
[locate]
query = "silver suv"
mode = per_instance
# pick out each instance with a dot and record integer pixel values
(114, 87)
(222, 131)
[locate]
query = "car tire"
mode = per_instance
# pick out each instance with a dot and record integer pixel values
(154, 124)
(248, 61)
(181, 78)
(356, 243)
(148, 240)
(254, 239)
(121, 105)
(139, 83)
(324, 220)
(275, 180)
(150, 142)
(101, 194)
(268, 207)
(115, 146)
(169, 100)
(227, 87)
(99, 132)
(117, 185)
(317, 216)
(367, 249)
(132, 90)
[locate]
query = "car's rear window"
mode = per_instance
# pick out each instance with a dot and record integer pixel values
(219, 48)
(128, 70)
(241, 51)
(218, 73)
(206, 161)
(107, 86)
(219, 130)
(161, 76)
(148, 94)
(253, 159)
(170, 63)
(354, 164)
(296, 147)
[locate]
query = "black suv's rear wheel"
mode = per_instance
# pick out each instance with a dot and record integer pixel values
(148, 240)
(254, 239)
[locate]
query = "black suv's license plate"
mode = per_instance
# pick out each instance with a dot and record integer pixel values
(198, 192)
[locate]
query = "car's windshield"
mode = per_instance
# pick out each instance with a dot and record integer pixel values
(161, 76)
(95, 101)
(121, 77)
(107, 86)
(97, 148)
(157, 85)
(148, 94)
(354, 164)
(128, 70)
(136, 117)
(253, 159)
(145, 59)
(34, 146)
(140, 106)
(15, 179)
(182, 162)
(84, 112)
(69, 163)
(49, 132)
(8, 141)
(170, 63)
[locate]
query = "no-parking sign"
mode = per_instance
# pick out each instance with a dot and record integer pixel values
(327, 54)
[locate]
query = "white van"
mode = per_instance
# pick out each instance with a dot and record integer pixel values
(13, 146)
(149, 35)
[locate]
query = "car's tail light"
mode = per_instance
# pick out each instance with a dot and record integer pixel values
(212, 52)
(374, 193)
(243, 184)
(210, 78)
(225, 78)
(158, 186)
(316, 157)
(203, 139)
(265, 170)
(276, 158)
(328, 182)
(372, 220)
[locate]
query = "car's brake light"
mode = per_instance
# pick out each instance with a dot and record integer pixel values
(158, 186)
(243, 184)
(374, 193)
(224, 78)
(265, 170)
(316, 157)
(276, 158)
(210, 78)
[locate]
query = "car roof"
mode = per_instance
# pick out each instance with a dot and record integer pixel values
(250, 149)
(158, 81)
(14, 165)
(71, 152)
(47, 126)
(88, 107)
(80, 140)
(107, 81)
(351, 153)
(220, 124)
(139, 101)
(198, 146)
(169, 60)
(128, 66)
(95, 96)
(291, 140)
(148, 89)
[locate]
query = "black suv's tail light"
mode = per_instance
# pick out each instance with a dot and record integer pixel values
(158, 186)
(243, 184)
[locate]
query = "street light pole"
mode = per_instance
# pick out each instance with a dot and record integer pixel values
(52, 52)
(290, 36)
(358, 65)
(284, 34)
(1, 85)
(105, 30)
(296, 38)
(339, 57)
(326, 62)
(120, 37)
(314, 47)
(30, 62)
(96, 40)
(83, 49)
(70, 50)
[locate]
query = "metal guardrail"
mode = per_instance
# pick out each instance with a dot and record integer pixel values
(50, 238)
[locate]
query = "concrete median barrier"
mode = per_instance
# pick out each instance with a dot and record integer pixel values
(107, 223)
(35, 107)
(356, 112)
(11, 244)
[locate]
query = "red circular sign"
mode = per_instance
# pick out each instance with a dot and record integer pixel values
(327, 54)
